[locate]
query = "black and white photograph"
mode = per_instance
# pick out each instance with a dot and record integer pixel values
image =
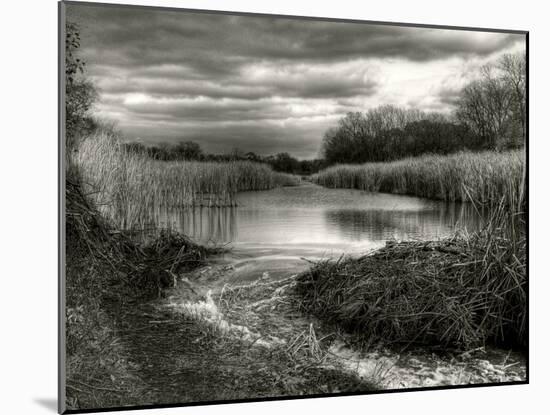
(260, 207)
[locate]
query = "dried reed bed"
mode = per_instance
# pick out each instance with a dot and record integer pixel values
(459, 292)
(130, 188)
(484, 177)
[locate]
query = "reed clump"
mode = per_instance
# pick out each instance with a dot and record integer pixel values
(130, 188)
(460, 292)
(486, 177)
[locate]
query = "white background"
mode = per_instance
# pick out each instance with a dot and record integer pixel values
(28, 251)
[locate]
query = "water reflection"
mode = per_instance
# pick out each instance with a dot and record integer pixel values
(202, 224)
(313, 218)
(433, 222)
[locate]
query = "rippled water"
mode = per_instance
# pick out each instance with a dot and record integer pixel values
(312, 217)
(278, 227)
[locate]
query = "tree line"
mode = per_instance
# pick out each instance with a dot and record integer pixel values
(490, 114)
(192, 151)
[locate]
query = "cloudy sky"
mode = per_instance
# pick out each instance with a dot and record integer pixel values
(266, 84)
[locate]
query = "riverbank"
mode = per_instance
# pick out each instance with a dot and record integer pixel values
(164, 322)
(488, 178)
(181, 348)
(140, 331)
(270, 310)
(458, 293)
(105, 270)
(129, 187)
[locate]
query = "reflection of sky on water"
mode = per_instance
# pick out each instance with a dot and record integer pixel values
(311, 217)
(383, 224)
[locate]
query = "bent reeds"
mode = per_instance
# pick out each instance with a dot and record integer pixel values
(459, 292)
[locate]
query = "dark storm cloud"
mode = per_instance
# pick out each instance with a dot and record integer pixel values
(217, 44)
(211, 110)
(207, 69)
(305, 85)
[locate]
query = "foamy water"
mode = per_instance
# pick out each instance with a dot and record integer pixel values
(415, 370)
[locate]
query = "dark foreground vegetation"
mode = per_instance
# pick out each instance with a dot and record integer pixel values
(105, 270)
(462, 292)
(123, 350)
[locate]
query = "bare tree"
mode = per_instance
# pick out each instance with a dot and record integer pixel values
(494, 104)
(388, 133)
(514, 72)
(486, 105)
(389, 117)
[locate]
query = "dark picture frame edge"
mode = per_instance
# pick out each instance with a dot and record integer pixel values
(299, 17)
(61, 384)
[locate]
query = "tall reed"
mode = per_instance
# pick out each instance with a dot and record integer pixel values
(484, 177)
(131, 188)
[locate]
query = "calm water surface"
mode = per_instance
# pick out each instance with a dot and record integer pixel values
(273, 230)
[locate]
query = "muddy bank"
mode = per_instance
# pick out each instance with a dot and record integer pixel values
(185, 348)
(181, 348)
(231, 342)
(220, 334)
(268, 314)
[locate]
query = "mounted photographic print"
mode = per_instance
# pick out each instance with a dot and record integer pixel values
(259, 207)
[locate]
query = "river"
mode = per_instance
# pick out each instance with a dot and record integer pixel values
(273, 231)
(273, 235)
